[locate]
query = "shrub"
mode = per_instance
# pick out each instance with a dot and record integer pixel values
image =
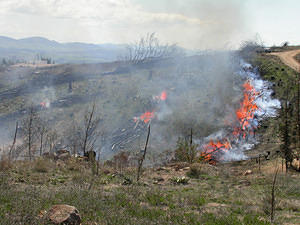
(185, 152)
(73, 165)
(41, 166)
(121, 160)
(5, 164)
(194, 171)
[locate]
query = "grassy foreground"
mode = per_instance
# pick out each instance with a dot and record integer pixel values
(208, 194)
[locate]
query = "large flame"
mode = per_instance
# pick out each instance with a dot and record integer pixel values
(244, 116)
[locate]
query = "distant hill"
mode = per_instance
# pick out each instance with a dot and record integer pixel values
(29, 48)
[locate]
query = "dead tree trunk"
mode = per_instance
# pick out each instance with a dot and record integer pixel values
(273, 200)
(30, 132)
(285, 132)
(141, 160)
(298, 113)
(14, 142)
(41, 144)
(88, 128)
(191, 158)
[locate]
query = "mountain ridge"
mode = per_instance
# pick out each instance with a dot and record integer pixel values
(70, 52)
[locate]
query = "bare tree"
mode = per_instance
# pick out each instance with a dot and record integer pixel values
(273, 200)
(29, 130)
(89, 132)
(43, 128)
(14, 142)
(141, 160)
(51, 140)
(72, 138)
(149, 48)
(285, 127)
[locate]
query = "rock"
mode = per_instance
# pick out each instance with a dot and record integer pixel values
(158, 180)
(186, 168)
(214, 204)
(64, 214)
(163, 169)
(248, 172)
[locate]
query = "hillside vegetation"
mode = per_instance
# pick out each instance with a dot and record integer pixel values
(243, 192)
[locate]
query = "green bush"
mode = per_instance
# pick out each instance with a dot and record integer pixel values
(185, 152)
(41, 166)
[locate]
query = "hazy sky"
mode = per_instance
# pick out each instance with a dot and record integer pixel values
(201, 24)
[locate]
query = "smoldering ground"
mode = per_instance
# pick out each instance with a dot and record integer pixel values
(202, 91)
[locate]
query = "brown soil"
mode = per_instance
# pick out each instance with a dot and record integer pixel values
(288, 58)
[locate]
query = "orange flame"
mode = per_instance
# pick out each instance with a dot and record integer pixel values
(246, 111)
(147, 116)
(244, 116)
(163, 96)
(214, 148)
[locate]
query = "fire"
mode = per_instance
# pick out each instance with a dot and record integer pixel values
(149, 115)
(43, 104)
(244, 115)
(215, 148)
(163, 96)
(246, 111)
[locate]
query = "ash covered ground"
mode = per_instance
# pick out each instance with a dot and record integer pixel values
(203, 93)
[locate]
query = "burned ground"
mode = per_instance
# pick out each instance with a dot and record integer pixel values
(200, 90)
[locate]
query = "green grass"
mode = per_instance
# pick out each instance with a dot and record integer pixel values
(217, 200)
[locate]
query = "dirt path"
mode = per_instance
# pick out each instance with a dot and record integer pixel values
(288, 58)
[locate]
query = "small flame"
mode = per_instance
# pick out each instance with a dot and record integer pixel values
(149, 115)
(45, 104)
(163, 96)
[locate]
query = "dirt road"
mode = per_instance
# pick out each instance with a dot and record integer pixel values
(288, 58)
